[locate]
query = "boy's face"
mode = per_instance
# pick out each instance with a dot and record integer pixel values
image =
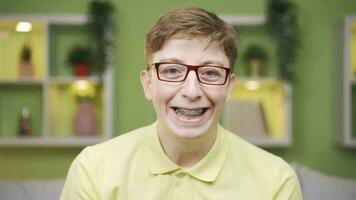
(187, 109)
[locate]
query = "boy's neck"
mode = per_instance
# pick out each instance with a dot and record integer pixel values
(186, 152)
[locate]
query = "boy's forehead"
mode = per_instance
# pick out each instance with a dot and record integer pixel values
(189, 37)
(190, 49)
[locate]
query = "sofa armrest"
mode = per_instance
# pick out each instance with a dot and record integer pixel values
(31, 189)
(317, 185)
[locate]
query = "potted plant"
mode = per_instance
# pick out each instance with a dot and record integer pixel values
(282, 25)
(255, 58)
(25, 67)
(80, 57)
(100, 29)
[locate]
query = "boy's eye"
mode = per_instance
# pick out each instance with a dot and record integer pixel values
(211, 73)
(171, 71)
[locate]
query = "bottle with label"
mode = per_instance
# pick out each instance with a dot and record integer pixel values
(25, 122)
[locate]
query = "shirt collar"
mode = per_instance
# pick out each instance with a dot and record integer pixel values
(158, 161)
(207, 169)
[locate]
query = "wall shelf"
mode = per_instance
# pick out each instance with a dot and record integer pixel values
(259, 111)
(47, 94)
(348, 138)
(260, 108)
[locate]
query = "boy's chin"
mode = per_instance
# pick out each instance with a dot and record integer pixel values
(186, 130)
(189, 132)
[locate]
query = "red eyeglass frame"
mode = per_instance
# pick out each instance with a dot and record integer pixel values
(190, 68)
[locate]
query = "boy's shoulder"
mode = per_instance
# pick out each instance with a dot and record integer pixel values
(254, 157)
(119, 145)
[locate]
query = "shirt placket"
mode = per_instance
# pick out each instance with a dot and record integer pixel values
(182, 187)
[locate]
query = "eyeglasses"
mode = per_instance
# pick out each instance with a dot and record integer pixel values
(177, 72)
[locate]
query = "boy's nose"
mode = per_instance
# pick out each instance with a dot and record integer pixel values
(191, 87)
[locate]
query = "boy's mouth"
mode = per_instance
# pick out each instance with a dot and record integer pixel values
(190, 113)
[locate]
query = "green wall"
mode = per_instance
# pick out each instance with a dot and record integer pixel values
(316, 94)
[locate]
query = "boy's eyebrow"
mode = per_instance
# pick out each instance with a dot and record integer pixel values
(177, 60)
(214, 62)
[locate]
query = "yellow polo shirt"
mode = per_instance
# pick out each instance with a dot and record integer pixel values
(134, 166)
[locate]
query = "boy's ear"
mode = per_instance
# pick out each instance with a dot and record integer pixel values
(146, 83)
(231, 83)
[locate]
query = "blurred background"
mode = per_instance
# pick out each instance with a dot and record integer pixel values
(305, 113)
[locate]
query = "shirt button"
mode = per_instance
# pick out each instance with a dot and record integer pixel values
(180, 175)
(178, 183)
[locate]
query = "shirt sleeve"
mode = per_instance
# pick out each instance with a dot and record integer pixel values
(290, 188)
(80, 183)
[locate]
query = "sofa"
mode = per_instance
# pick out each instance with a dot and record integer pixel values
(315, 186)
(30, 189)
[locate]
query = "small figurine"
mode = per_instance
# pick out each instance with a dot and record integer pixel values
(255, 58)
(25, 122)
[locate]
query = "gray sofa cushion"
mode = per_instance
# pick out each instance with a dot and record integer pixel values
(30, 190)
(316, 185)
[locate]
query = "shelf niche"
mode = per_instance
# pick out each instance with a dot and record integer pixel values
(11, 44)
(348, 138)
(259, 110)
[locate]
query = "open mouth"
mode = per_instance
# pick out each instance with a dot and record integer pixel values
(190, 113)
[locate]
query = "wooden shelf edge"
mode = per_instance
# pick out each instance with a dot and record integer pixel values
(244, 20)
(270, 142)
(261, 80)
(353, 81)
(50, 142)
(350, 143)
(69, 80)
(54, 19)
(21, 81)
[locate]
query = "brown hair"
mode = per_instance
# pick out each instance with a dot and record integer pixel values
(188, 23)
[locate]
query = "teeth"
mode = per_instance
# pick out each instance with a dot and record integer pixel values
(190, 112)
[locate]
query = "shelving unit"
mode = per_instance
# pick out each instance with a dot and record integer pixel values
(349, 83)
(260, 108)
(47, 94)
(260, 111)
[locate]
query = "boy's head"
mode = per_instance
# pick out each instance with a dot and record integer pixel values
(189, 54)
(188, 23)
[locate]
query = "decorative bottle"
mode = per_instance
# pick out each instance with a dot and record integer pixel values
(25, 122)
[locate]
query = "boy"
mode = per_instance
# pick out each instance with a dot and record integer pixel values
(185, 154)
